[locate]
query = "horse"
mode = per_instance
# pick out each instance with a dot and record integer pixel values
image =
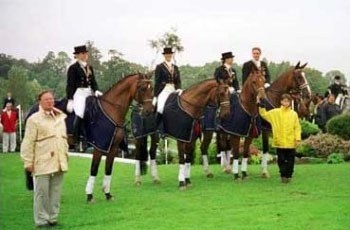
(115, 102)
(191, 104)
(293, 80)
(243, 121)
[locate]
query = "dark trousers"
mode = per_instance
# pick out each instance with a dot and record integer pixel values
(285, 160)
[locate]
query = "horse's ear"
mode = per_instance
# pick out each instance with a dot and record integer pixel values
(303, 66)
(297, 66)
(149, 74)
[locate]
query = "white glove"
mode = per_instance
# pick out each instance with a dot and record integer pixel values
(231, 89)
(239, 91)
(266, 85)
(98, 93)
(179, 91)
(154, 101)
(69, 107)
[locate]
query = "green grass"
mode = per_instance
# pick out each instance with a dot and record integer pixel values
(318, 198)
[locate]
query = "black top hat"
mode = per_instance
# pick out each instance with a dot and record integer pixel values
(168, 50)
(80, 49)
(337, 77)
(227, 55)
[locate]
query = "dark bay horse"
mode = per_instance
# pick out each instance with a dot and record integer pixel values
(244, 113)
(115, 102)
(193, 102)
(294, 81)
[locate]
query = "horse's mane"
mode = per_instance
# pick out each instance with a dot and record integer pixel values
(198, 83)
(120, 81)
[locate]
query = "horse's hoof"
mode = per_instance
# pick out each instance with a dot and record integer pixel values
(156, 181)
(90, 199)
(227, 170)
(137, 183)
(210, 175)
(265, 175)
(109, 197)
(236, 177)
(188, 182)
(182, 186)
(244, 175)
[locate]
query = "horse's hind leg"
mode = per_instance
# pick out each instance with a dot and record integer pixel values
(246, 148)
(89, 189)
(207, 136)
(223, 147)
(153, 153)
(181, 176)
(265, 142)
(189, 150)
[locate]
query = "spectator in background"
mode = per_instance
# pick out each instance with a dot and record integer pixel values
(328, 110)
(337, 87)
(7, 99)
(9, 120)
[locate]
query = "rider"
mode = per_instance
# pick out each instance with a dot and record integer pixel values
(167, 77)
(256, 64)
(81, 83)
(337, 88)
(227, 72)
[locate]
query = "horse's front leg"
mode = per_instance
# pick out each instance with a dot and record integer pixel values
(153, 154)
(235, 141)
(139, 158)
(89, 189)
(181, 153)
(106, 184)
(264, 159)
(224, 149)
(207, 136)
(246, 151)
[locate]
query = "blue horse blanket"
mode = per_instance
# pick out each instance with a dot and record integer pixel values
(240, 122)
(209, 120)
(142, 126)
(177, 123)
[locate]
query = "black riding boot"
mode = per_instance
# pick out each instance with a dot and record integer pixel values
(77, 125)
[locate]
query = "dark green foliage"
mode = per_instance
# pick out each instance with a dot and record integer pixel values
(308, 129)
(339, 125)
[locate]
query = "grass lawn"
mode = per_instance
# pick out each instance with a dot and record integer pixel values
(318, 198)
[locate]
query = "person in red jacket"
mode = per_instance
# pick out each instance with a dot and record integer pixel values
(9, 120)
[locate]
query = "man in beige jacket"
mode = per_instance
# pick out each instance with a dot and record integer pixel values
(44, 151)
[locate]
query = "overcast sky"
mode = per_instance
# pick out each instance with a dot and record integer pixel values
(317, 32)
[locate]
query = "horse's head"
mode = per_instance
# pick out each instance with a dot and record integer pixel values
(300, 82)
(144, 93)
(255, 83)
(223, 98)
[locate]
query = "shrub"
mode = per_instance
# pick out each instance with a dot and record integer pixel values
(322, 145)
(335, 158)
(308, 129)
(339, 125)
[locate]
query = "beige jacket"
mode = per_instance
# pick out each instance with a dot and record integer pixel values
(45, 143)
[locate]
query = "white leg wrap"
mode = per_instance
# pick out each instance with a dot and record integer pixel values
(264, 161)
(89, 189)
(106, 185)
(154, 170)
(181, 176)
(137, 168)
(228, 158)
(223, 159)
(244, 166)
(205, 162)
(235, 166)
(187, 170)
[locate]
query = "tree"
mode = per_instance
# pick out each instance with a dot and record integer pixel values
(168, 39)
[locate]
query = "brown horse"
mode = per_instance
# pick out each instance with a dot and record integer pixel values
(116, 102)
(252, 89)
(293, 80)
(193, 102)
